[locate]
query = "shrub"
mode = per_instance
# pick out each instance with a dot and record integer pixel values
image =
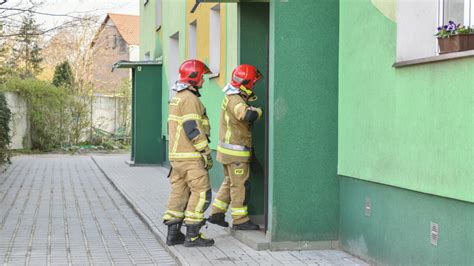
(5, 116)
(51, 113)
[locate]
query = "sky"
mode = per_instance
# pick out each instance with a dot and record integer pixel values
(77, 8)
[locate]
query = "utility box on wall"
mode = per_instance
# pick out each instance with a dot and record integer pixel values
(148, 148)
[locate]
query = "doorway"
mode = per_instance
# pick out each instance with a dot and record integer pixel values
(254, 29)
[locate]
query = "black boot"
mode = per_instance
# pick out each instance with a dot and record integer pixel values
(174, 237)
(219, 219)
(248, 225)
(196, 239)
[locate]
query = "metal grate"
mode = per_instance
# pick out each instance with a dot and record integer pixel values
(434, 227)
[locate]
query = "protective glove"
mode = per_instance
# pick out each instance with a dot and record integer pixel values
(258, 110)
(206, 155)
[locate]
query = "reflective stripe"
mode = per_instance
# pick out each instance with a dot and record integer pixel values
(191, 117)
(196, 215)
(201, 145)
(224, 103)
(184, 155)
(239, 211)
(184, 118)
(205, 122)
(175, 213)
(193, 220)
(236, 109)
(233, 147)
(220, 204)
(202, 200)
(178, 134)
(228, 133)
(232, 152)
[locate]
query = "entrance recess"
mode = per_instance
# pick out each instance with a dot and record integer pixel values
(253, 49)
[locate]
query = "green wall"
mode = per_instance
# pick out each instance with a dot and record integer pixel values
(406, 138)
(398, 230)
(410, 127)
(149, 37)
(304, 189)
(254, 31)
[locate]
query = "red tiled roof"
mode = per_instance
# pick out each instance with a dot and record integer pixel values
(128, 26)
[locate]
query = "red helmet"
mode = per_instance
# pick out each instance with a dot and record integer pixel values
(245, 75)
(192, 72)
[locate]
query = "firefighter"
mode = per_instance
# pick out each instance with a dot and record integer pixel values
(190, 158)
(234, 149)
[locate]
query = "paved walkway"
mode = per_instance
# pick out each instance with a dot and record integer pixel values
(147, 189)
(61, 210)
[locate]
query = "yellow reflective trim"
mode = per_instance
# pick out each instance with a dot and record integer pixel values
(224, 103)
(191, 117)
(175, 101)
(220, 204)
(175, 213)
(239, 211)
(201, 145)
(239, 171)
(176, 140)
(236, 109)
(202, 200)
(184, 155)
(184, 118)
(205, 122)
(196, 215)
(193, 220)
(228, 132)
(232, 152)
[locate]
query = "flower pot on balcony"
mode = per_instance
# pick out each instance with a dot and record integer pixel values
(456, 43)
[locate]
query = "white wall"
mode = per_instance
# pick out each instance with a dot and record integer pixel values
(134, 52)
(18, 122)
(417, 21)
(105, 115)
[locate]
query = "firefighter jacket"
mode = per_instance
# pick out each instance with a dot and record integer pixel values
(188, 127)
(235, 132)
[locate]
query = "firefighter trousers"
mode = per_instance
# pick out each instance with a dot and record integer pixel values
(234, 191)
(190, 192)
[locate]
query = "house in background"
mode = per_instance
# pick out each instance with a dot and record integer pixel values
(118, 38)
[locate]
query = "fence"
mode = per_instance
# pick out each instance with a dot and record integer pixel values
(106, 113)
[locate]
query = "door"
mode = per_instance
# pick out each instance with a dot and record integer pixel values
(253, 50)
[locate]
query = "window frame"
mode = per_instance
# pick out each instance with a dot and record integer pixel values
(192, 40)
(215, 40)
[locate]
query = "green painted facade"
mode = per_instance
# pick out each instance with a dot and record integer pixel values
(406, 138)
(304, 188)
(344, 126)
(398, 230)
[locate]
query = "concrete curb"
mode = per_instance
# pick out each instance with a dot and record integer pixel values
(145, 218)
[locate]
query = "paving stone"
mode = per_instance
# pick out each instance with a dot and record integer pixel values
(62, 210)
(147, 189)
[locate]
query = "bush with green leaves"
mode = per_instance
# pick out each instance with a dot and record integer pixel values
(52, 113)
(5, 116)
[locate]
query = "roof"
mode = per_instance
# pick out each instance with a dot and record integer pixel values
(127, 25)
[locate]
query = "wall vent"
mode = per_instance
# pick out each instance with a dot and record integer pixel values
(368, 207)
(434, 227)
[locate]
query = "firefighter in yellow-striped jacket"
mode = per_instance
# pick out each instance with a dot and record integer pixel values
(190, 158)
(235, 147)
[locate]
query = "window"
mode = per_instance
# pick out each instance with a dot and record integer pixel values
(192, 40)
(158, 15)
(173, 61)
(417, 21)
(459, 11)
(215, 39)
